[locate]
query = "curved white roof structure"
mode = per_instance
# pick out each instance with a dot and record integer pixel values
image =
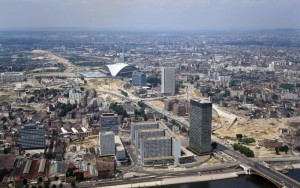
(114, 69)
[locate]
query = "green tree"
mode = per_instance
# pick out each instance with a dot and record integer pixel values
(277, 150)
(243, 150)
(142, 104)
(79, 176)
(214, 145)
(288, 86)
(183, 129)
(154, 81)
(173, 121)
(3, 173)
(73, 184)
(46, 185)
(286, 149)
(165, 118)
(239, 136)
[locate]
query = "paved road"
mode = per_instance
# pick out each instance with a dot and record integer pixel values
(284, 180)
(277, 176)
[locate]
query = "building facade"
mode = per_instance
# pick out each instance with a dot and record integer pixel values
(138, 79)
(147, 133)
(139, 126)
(168, 80)
(107, 144)
(12, 77)
(32, 137)
(108, 121)
(156, 147)
(200, 126)
(74, 96)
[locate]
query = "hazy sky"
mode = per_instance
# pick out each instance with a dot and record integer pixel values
(151, 14)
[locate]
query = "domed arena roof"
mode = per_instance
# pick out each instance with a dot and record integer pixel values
(119, 69)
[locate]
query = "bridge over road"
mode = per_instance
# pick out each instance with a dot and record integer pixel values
(279, 179)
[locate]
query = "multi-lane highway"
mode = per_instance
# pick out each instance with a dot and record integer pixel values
(271, 174)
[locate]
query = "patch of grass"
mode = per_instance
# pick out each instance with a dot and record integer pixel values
(4, 98)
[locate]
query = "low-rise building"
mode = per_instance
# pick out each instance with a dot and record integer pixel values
(120, 150)
(106, 168)
(270, 143)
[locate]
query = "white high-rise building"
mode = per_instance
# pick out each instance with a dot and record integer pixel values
(168, 80)
(107, 144)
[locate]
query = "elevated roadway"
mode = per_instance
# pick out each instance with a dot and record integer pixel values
(279, 179)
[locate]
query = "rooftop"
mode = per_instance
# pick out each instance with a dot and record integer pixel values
(7, 161)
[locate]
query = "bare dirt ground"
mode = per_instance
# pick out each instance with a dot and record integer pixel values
(70, 68)
(258, 129)
(158, 103)
(105, 84)
(212, 161)
(255, 128)
(6, 96)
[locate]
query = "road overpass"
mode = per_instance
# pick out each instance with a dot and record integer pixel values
(277, 178)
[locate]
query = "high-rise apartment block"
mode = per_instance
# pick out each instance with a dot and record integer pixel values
(156, 147)
(107, 144)
(32, 136)
(200, 126)
(168, 80)
(138, 79)
(138, 126)
(147, 133)
(155, 144)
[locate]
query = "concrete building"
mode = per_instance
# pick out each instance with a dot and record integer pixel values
(179, 109)
(108, 121)
(58, 170)
(147, 133)
(106, 168)
(176, 150)
(120, 150)
(200, 126)
(74, 96)
(271, 66)
(168, 80)
(224, 79)
(157, 148)
(107, 144)
(138, 126)
(168, 104)
(32, 137)
(12, 77)
(138, 79)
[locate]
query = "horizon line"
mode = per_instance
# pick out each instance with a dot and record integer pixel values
(138, 30)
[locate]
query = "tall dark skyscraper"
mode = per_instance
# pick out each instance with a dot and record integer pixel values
(200, 126)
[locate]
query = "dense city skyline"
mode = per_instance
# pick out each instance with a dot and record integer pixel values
(150, 15)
